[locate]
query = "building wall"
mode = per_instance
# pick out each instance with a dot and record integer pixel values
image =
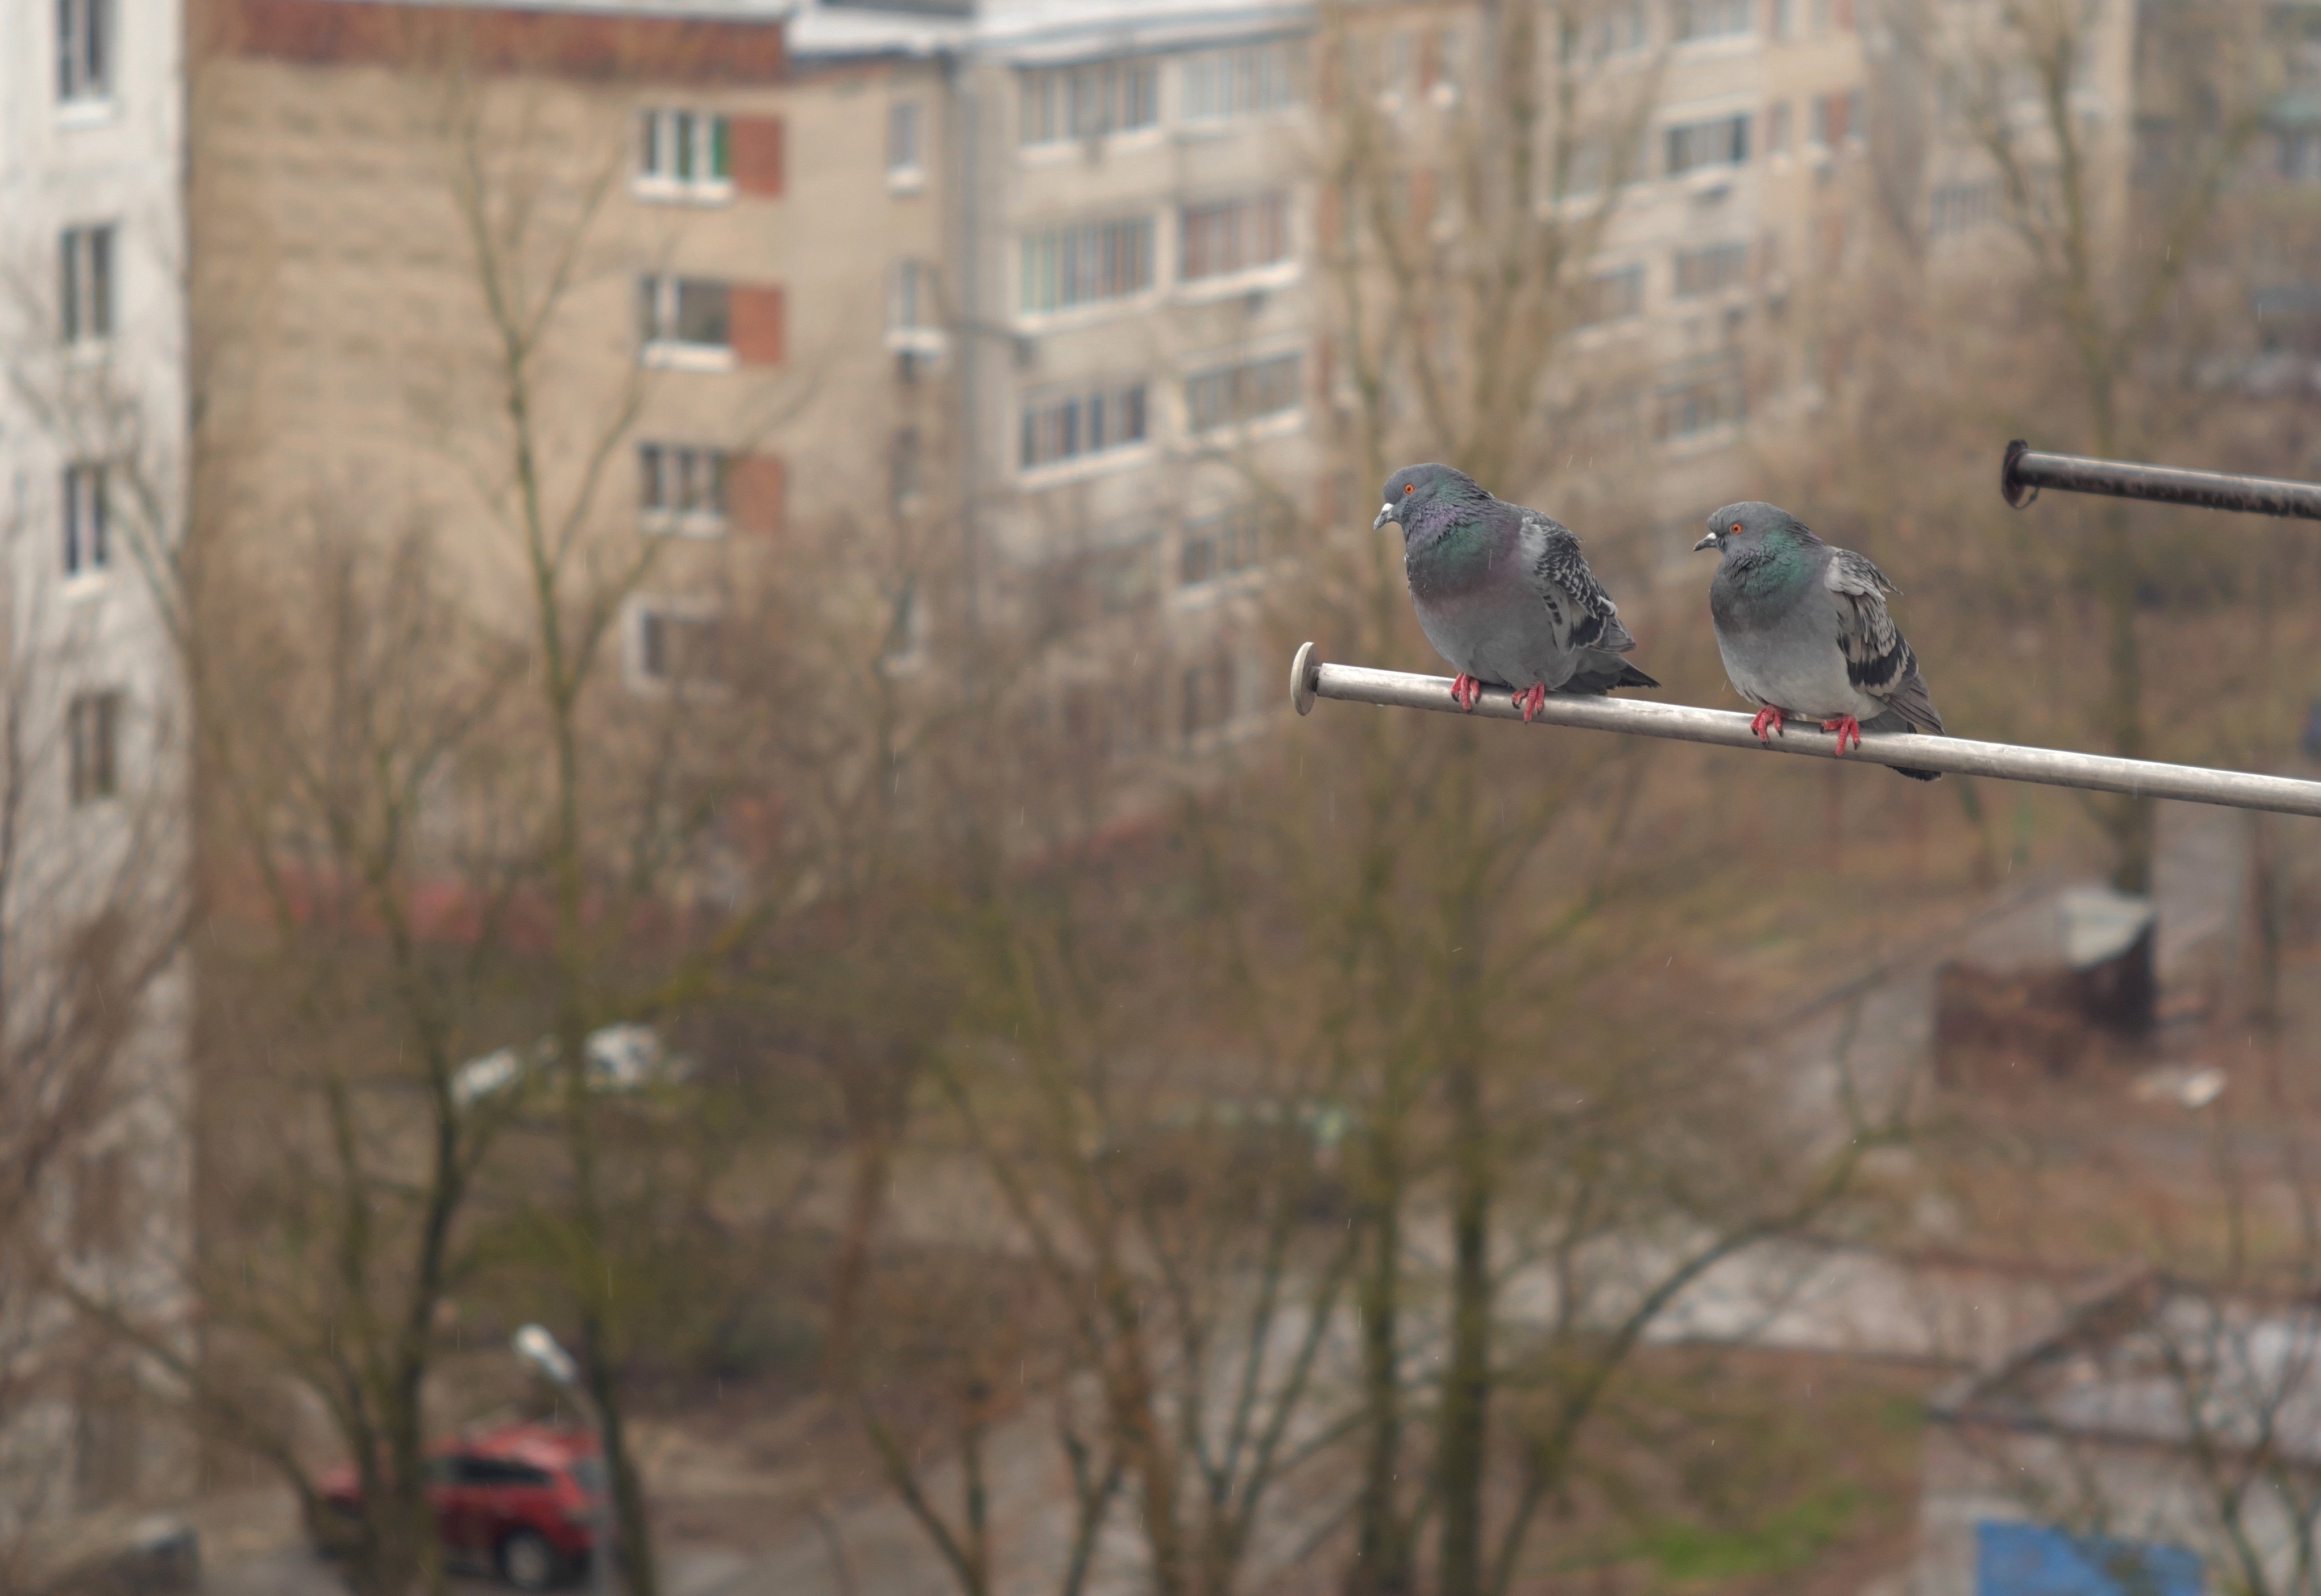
(1711, 176)
(2150, 1495)
(1155, 539)
(94, 890)
(346, 338)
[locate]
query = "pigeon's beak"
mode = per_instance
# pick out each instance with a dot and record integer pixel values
(1707, 543)
(1385, 514)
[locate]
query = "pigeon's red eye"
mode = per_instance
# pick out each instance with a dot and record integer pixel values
(1736, 526)
(1407, 488)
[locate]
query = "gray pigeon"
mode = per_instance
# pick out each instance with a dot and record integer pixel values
(1503, 593)
(1803, 629)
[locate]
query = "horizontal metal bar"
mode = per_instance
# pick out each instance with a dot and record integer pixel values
(1310, 678)
(2025, 471)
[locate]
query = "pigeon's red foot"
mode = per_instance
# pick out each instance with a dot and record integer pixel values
(1845, 726)
(1529, 700)
(1767, 717)
(1466, 690)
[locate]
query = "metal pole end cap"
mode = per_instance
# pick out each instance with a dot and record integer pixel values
(1305, 676)
(2015, 491)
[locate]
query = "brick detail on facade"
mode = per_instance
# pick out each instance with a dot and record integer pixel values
(594, 47)
(757, 326)
(757, 489)
(757, 146)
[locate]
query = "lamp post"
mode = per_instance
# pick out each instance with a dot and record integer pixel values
(551, 1362)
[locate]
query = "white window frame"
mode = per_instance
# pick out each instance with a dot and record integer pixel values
(907, 486)
(1732, 129)
(1240, 540)
(1219, 679)
(1394, 68)
(1264, 423)
(1075, 239)
(706, 134)
(1217, 87)
(87, 41)
(658, 343)
(83, 519)
(914, 310)
(1621, 29)
(1113, 392)
(1246, 223)
(1731, 403)
(93, 746)
(88, 286)
(1058, 123)
(655, 463)
(1626, 282)
(2296, 156)
(1449, 65)
(906, 146)
(642, 613)
(1722, 13)
(1723, 252)
(1955, 210)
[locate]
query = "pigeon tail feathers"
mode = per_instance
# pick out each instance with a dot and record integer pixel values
(1898, 719)
(1600, 672)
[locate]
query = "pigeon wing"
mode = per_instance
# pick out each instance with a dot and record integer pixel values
(1877, 659)
(1560, 571)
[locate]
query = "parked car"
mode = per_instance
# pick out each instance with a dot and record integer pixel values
(621, 1058)
(520, 1499)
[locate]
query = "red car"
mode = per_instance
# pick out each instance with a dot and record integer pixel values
(522, 1498)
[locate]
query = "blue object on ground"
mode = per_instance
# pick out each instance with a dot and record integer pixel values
(2014, 1559)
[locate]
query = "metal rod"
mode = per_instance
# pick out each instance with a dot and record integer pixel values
(1310, 678)
(2025, 471)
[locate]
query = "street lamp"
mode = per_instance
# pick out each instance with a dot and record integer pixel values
(552, 1364)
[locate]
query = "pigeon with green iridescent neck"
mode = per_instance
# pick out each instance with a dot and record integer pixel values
(1503, 593)
(1803, 628)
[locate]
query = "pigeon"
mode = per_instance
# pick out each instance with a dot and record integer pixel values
(1803, 629)
(1503, 593)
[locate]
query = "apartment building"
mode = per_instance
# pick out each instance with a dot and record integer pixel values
(754, 285)
(1128, 248)
(1950, 77)
(95, 1149)
(1699, 170)
(2266, 237)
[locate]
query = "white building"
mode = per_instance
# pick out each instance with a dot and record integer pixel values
(2159, 1439)
(94, 991)
(1129, 253)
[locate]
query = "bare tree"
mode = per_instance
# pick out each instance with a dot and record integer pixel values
(1455, 958)
(2108, 232)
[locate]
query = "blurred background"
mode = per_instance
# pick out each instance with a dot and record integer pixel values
(663, 928)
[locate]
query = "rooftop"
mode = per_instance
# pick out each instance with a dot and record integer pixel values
(1020, 31)
(2155, 1361)
(1032, 32)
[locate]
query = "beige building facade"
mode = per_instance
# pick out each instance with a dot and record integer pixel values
(1129, 293)
(747, 334)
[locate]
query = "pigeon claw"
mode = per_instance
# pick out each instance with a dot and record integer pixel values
(1845, 726)
(1529, 700)
(1466, 690)
(1766, 717)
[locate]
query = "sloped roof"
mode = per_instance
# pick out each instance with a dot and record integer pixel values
(2155, 1361)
